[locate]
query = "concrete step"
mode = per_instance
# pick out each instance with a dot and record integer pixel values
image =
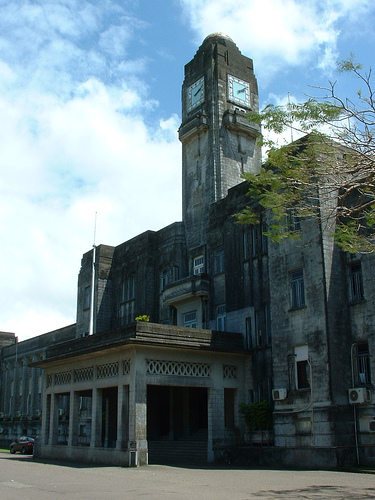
(177, 452)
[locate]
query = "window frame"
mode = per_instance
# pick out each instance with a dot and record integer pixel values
(297, 289)
(356, 289)
(221, 317)
(302, 368)
(198, 267)
(361, 364)
(193, 322)
(219, 260)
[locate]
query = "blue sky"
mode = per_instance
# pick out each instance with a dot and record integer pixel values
(90, 106)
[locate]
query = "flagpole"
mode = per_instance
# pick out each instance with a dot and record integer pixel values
(92, 305)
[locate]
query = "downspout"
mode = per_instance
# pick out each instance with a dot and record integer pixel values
(354, 406)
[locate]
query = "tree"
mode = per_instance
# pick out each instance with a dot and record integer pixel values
(327, 176)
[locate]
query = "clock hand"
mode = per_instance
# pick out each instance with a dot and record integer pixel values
(197, 92)
(241, 90)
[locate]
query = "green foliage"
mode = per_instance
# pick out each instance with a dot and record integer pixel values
(143, 317)
(258, 416)
(302, 178)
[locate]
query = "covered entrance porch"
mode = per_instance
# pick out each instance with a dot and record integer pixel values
(177, 424)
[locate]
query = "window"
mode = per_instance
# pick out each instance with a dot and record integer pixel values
(246, 244)
(219, 260)
(166, 277)
(267, 324)
(87, 297)
(190, 319)
(264, 238)
(297, 289)
(250, 337)
(254, 240)
(361, 364)
(220, 317)
(128, 289)
(293, 221)
(198, 264)
(356, 282)
(302, 367)
(258, 328)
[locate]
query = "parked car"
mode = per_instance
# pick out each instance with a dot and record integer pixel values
(24, 445)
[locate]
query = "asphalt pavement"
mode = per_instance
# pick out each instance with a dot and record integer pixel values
(26, 477)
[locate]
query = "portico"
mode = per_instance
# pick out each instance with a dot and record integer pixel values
(107, 395)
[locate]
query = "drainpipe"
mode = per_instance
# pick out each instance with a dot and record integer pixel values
(354, 406)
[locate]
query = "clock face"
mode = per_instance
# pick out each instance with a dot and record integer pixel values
(238, 91)
(196, 94)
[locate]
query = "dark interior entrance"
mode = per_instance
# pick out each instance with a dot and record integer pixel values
(109, 417)
(174, 412)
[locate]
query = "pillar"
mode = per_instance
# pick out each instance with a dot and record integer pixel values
(138, 447)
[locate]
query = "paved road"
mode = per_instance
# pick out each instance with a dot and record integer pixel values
(24, 477)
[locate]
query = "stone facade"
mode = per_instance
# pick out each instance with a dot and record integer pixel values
(233, 318)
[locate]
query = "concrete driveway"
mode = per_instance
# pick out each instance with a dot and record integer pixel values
(25, 477)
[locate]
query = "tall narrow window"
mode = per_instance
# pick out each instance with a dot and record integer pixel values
(220, 317)
(293, 221)
(361, 361)
(198, 264)
(255, 241)
(166, 277)
(246, 244)
(258, 328)
(356, 282)
(264, 238)
(302, 367)
(297, 289)
(190, 319)
(267, 324)
(250, 341)
(128, 289)
(219, 260)
(87, 297)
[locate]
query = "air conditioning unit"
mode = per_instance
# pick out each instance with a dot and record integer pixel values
(61, 412)
(279, 394)
(359, 395)
(2, 415)
(18, 414)
(38, 413)
(366, 424)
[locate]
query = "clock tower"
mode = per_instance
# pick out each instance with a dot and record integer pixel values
(218, 142)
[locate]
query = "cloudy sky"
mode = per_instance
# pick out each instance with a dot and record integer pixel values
(89, 111)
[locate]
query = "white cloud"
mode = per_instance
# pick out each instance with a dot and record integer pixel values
(277, 32)
(74, 142)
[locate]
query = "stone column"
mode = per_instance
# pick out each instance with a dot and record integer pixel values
(122, 417)
(73, 418)
(138, 448)
(54, 419)
(96, 415)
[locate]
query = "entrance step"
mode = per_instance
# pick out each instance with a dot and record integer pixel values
(177, 452)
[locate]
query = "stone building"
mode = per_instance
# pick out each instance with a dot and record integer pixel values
(233, 318)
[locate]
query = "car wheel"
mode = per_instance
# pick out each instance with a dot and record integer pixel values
(12, 450)
(23, 451)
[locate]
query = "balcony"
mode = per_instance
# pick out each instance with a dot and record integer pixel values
(237, 121)
(192, 286)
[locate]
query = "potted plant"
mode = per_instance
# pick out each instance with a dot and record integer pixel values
(258, 420)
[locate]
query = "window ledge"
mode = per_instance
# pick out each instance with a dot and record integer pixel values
(357, 301)
(297, 308)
